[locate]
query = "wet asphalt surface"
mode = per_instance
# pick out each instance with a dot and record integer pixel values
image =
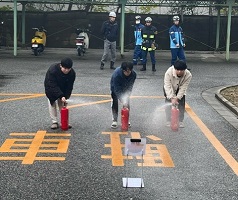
(199, 171)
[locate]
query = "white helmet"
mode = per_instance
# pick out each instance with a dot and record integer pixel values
(138, 17)
(112, 14)
(176, 18)
(148, 19)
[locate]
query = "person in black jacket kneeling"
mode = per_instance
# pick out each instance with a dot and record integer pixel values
(59, 81)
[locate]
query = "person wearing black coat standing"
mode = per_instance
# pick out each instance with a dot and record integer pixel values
(59, 81)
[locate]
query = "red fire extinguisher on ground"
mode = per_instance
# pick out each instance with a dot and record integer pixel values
(174, 118)
(64, 118)
(124, 118)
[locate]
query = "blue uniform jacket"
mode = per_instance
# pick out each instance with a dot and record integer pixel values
(176, 36)
(120, 84)
(137, 33)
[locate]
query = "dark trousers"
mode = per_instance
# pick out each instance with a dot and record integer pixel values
(115, 105)
(177, 53)
(137, 54)
(152, 56)
(181, 107)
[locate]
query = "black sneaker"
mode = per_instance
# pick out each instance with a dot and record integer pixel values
(112, 65)
(102, 66)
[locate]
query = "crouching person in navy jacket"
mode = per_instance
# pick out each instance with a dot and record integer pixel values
(122, 82)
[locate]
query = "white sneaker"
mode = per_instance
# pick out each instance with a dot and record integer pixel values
(167, 124)
(181, 125)
(54, 125)
(114, 124)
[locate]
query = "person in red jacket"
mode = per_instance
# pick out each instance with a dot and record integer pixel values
(59, 81)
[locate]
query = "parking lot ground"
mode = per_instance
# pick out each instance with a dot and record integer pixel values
(89, 161)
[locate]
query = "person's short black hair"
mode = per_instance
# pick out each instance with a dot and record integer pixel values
(66, 63)
(127, 65)
(180, 65)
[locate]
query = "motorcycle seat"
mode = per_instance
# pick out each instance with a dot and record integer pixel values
(38, 36)
(80, 37)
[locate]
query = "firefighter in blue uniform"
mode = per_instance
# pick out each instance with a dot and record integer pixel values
(138, 41)
(148, 33)
(176, 41)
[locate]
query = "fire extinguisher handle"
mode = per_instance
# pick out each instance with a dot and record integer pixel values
(175, 105)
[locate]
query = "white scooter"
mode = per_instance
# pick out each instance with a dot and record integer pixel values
(82, 41)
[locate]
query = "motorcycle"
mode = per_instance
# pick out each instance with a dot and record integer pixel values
(82, 41)
(38, 41)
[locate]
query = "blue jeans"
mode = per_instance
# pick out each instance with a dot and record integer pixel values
(177, 53)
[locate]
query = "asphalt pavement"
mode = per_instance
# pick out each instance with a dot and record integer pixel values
(88, 162)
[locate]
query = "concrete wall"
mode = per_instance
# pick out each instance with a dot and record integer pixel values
(200, 31)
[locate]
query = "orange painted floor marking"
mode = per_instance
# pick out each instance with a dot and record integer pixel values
(23, 96)
(152, 137)
(92, 95)
(116, 148)
(210, 136)
(89, 103)
(37, 143)
(135, 135)
(157, 155)
(47, 134)
(102, 95)
(37, 158)
(214, 141)
(36, 95)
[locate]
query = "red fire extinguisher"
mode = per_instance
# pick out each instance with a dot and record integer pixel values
(124, 118)
(174, 118)
(64, 118)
